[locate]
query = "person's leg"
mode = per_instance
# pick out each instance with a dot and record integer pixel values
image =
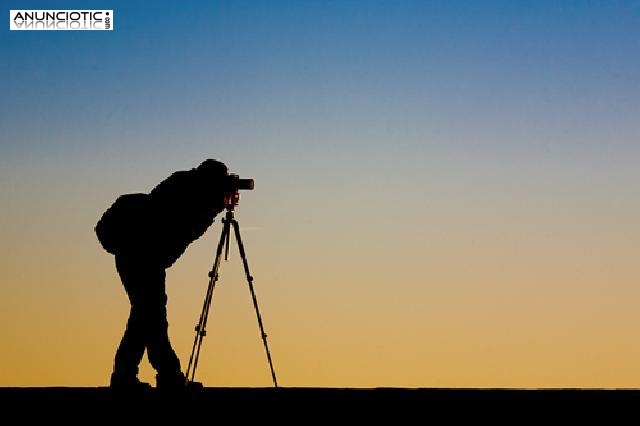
(130, 350)
(132, 345)
(159, 350)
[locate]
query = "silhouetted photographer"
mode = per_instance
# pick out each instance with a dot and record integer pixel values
(147, 233)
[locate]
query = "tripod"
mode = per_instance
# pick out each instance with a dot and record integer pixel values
(225, 237)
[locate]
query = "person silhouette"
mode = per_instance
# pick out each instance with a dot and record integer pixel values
(147, 233)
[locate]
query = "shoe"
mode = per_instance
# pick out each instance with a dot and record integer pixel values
(176, 383)
(195, 386)
(128, 385)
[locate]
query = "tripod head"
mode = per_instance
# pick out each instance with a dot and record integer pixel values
(231, 201)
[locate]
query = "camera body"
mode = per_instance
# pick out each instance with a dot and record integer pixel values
(233, 185)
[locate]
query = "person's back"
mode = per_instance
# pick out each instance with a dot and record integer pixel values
(124, 226)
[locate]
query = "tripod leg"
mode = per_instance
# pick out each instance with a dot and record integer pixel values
(236, 228)
(204, 315)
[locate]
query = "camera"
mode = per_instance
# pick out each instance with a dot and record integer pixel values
(233, 185)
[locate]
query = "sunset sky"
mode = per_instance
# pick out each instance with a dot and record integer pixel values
(447, 193)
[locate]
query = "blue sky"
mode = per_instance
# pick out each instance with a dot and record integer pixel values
(510, 71)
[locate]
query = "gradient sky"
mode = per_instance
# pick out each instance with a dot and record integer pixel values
(447, 192)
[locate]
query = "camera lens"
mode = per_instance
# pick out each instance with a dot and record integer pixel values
(245, 183)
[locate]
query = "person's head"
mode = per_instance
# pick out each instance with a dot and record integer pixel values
(213, 168)
(214, 179)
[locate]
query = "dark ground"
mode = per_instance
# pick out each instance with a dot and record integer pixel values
(326, 405)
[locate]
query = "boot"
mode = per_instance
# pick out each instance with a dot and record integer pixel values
(128, 384)
(175, 383)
